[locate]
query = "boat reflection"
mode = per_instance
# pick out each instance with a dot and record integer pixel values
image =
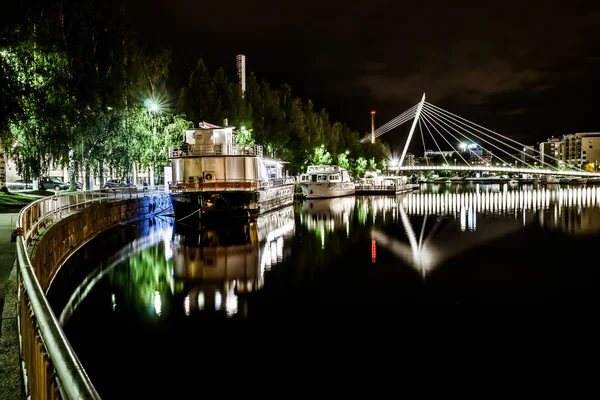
(221, 262)
(174, 269)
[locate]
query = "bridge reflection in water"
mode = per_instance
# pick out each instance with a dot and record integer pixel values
(573, 210)
(163, 300)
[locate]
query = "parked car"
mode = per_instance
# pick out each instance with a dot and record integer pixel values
(116, 184)
(19, 184)
(53, 183)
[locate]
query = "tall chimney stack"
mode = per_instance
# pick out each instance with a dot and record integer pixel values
(373, 126)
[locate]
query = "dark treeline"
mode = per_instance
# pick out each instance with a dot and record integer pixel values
(78, 89)
(288, 128)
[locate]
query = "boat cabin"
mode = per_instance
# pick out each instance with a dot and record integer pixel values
(210, 155)
(325, 173)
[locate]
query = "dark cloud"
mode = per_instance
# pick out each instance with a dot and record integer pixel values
(474, 83)
(484, 59)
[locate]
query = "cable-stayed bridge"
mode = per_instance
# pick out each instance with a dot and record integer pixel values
(433, 121)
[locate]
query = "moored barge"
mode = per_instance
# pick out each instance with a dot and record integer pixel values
(213, 177)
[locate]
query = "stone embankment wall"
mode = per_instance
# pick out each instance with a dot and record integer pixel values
(67, 234)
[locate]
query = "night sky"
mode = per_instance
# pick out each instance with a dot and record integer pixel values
(528, 69)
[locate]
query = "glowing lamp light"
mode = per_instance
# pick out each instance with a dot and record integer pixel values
(373, 112)
(462, 146)
(153, 106)
(394, 163)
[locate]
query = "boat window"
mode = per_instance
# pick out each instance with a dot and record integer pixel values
(314, 178)
(334, 177)
(321, 178)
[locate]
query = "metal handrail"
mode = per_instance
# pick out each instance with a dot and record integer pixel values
(196, 150)
(228, 184)
(72, 380)
(68, 373)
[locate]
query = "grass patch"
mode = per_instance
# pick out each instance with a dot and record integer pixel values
(11, 202)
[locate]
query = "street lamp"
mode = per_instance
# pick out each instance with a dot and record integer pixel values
(153, 107)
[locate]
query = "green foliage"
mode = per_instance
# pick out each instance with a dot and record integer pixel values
(244, 137)
(372, 163)
(73, 84)
(320, 156)
(343, 161)
(360, 166)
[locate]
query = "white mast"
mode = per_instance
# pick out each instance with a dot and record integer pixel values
(412, 129)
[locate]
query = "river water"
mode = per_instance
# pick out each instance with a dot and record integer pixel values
(153, 294)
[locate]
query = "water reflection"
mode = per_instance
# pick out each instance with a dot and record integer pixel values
(155, 231)
(174, 266)
(465, 247)
(218, 264)
(439, 225)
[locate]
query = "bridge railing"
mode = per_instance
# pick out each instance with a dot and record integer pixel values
(512, 170)
(51, 369)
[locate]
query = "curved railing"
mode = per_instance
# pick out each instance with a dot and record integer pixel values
(51, 369)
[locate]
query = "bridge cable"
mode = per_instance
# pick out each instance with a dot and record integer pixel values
(504, 151)
(491, 144)
(487, 141)
(434, 117)
(377, 134)
(454, 116)
(507, 145)
(399, 120)
(434, 141)
(423, 139)
(406, 116)
(394, 122)
(452, 147)
(520, 144)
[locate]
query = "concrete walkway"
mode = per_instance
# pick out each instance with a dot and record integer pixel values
(10, 370)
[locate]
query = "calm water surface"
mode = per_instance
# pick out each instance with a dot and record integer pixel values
(154, 295)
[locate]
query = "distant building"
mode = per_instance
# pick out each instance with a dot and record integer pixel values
(409, 160)
(581, 148)
(550, 151)
(478, 155)
(528, 154)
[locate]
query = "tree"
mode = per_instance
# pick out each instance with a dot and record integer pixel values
(589, 167)
(360, 166)
(320, 156)
(343, 161)
(243, 137)
(195, 100)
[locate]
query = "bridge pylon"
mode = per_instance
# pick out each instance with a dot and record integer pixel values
(412, 129)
